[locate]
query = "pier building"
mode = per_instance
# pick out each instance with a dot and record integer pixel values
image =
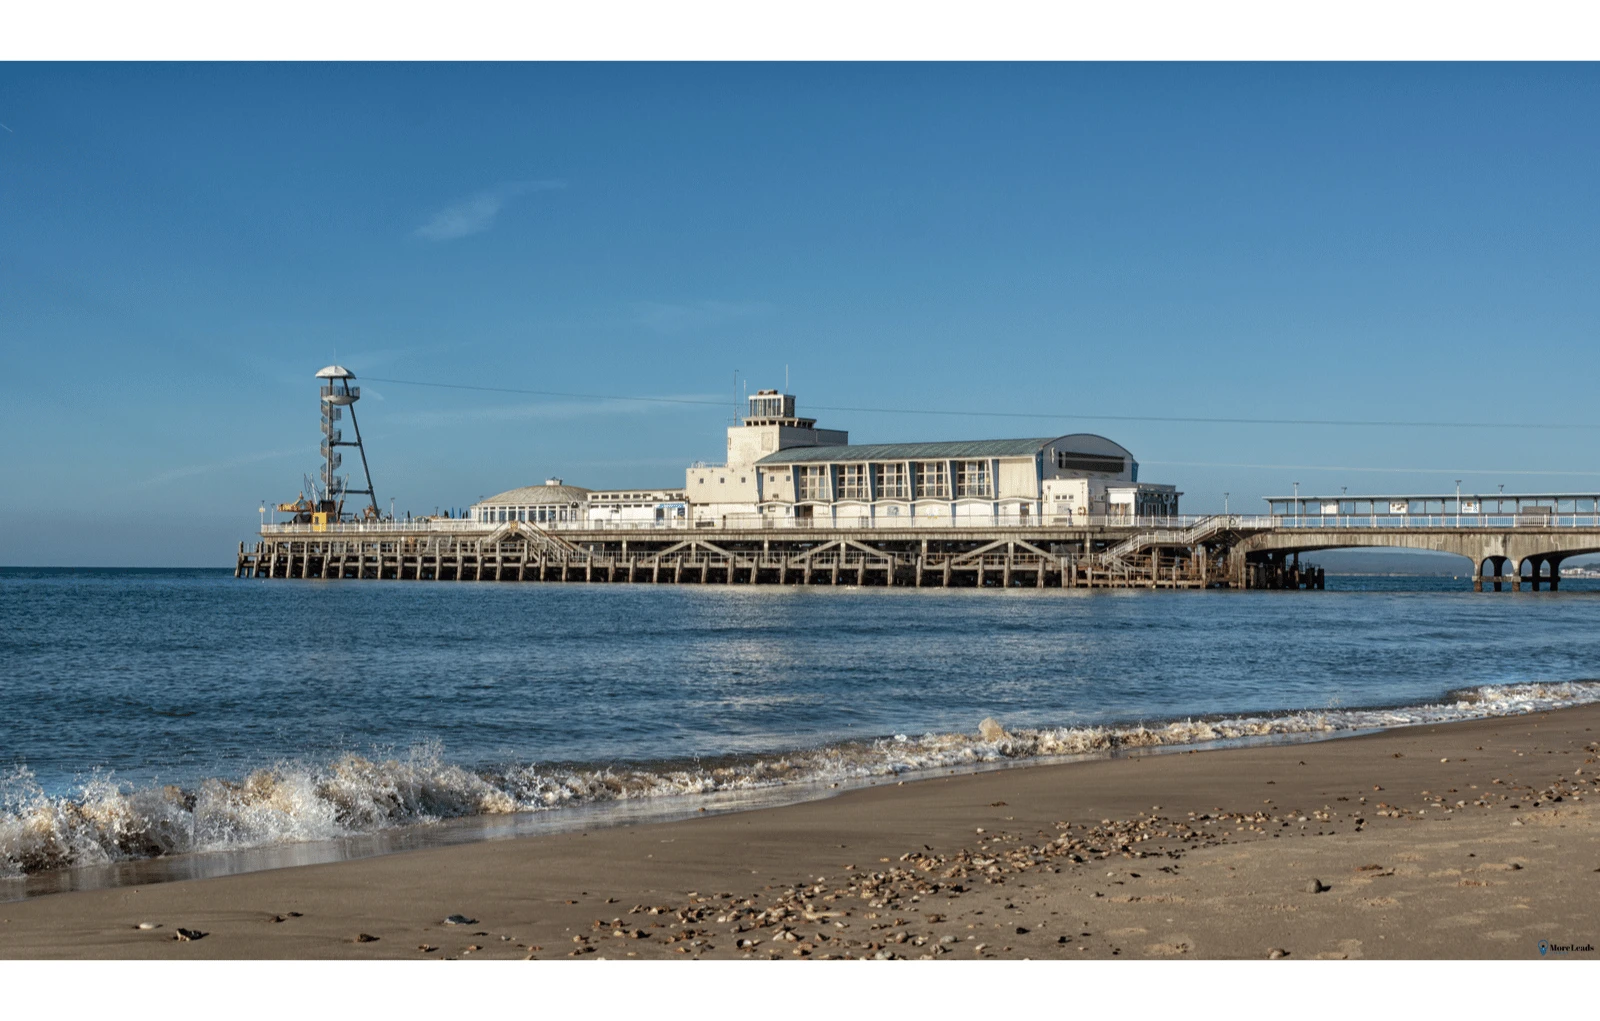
(783, 471)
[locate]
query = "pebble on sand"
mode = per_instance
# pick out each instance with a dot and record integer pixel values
(366, 937)
(1316, 886)
(188, 935)
(460, 920)
(1276, 952)
(147, 925)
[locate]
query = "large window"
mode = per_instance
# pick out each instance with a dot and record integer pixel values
(972, 478)
(933, 480)
(1069, 460)
(813, 482)
(891, 481)
(853, 482)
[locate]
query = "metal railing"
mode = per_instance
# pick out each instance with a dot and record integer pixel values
(1176, 529)
(750, 522)
(1436, 521)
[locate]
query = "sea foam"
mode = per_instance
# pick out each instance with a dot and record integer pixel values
(104, 821)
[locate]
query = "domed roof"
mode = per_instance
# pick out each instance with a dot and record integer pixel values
(335, 372)
(535, 495)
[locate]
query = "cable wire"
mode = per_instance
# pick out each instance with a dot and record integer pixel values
(1187, 419)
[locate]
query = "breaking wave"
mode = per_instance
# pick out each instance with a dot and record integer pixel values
(105, 821)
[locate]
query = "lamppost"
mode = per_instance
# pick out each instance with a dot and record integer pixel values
(1224, 504)
(1458, 503)
(263, 509)
(1342, 490)
(1297, 505)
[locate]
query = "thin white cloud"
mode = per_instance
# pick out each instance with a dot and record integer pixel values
(554, 410)
(476, 213)
(676, 317)
(173, 474)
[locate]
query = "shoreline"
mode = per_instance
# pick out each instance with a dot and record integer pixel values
(597, 815)
(487, 805)
(1435, 862)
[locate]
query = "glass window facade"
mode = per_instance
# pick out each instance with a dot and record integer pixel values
(890, 480)
(972, 479)
(932, 480)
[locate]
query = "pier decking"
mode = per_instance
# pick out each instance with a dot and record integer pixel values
(1107, 556)
(1214, 551)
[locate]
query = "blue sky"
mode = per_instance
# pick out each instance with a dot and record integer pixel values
(182, 246)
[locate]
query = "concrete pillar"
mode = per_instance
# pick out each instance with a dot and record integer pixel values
(1477, 575)
(1555, 574)
(1516, 576)
(1533, 573)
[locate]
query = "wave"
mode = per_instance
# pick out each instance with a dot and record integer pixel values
(104, 821)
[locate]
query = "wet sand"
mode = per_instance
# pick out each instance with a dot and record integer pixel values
(1462, 840)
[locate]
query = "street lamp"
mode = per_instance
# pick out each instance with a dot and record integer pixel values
(263, 509)
(1458, 503)
(1297, 505)
(1224, 504)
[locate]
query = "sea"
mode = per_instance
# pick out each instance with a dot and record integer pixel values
(164, 724)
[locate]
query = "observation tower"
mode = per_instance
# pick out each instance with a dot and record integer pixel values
(338, 396)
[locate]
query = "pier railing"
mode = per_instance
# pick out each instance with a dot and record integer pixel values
(762, 522)
(1176, 524)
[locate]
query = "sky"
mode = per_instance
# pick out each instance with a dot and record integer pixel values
(182, 246)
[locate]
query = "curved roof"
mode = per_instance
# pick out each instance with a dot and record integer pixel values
(335, 372)
(1076, 443)
(1091, 443)
(531, 495)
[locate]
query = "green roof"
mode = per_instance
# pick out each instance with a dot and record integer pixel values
(908, 451)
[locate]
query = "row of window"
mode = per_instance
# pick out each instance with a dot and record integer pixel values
(896, 481)
(535, 514)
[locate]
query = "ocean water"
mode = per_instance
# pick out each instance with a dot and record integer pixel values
(151, 714)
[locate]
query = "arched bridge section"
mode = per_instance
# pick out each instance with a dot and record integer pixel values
(1489, 549)
(1532, 531)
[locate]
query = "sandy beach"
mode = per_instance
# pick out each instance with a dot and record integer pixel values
(1464, 840)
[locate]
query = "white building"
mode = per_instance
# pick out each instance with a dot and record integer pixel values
(634, 506)
(782, 470)
(552, 503)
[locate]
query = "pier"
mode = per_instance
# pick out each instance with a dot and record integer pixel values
(1006, 558)
(796, 504)
(1508, 551)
